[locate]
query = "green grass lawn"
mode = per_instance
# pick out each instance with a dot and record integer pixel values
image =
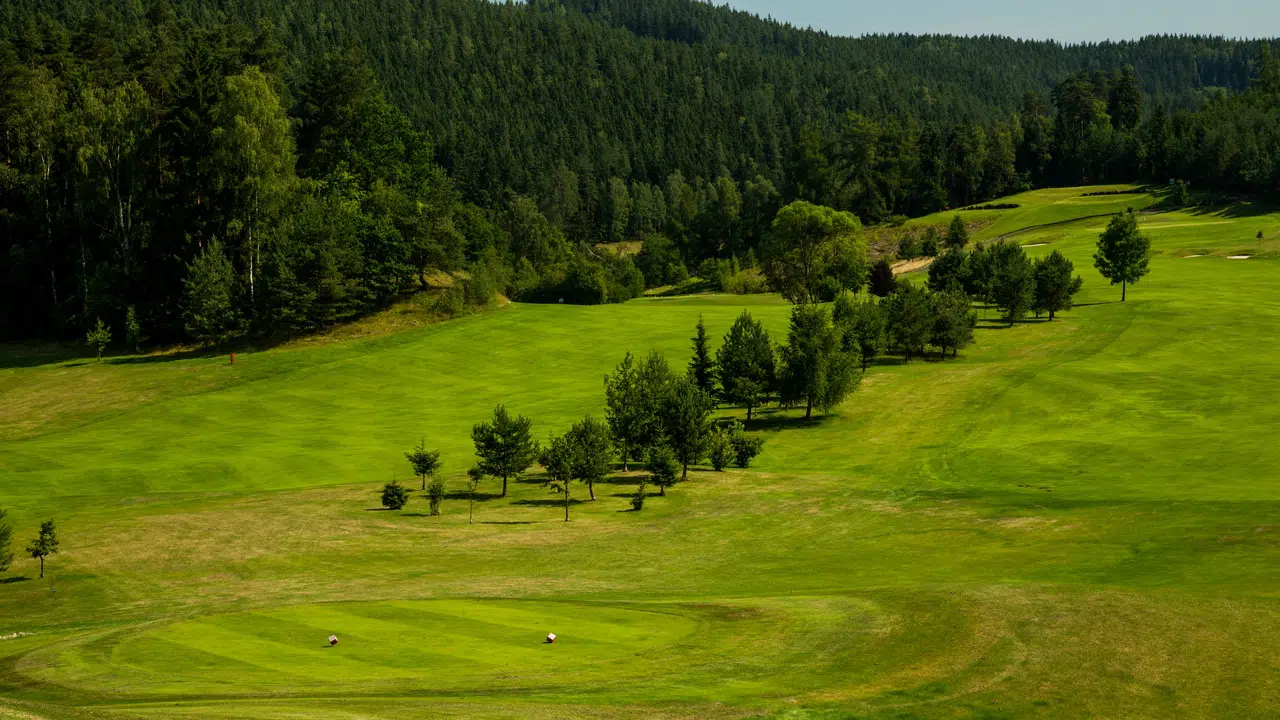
(1072, 519)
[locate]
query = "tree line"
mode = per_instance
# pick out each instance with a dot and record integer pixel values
(258, 168)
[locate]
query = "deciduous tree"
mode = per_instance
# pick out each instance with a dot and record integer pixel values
(45, 544)
(98, 338)
(592, 452)
(686, 421)
(816, 369)
(809, 244)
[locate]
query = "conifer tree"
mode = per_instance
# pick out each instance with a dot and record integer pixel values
(1123, 252)
(746, 364)
(1055, 287)
(505, 446)
(701, 367)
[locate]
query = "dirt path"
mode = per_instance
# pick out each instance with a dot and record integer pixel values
(902, 267)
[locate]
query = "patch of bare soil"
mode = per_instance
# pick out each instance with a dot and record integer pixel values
(902, 267)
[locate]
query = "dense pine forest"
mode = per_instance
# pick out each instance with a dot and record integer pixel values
(208, 169)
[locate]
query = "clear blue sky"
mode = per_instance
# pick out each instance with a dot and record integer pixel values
(1069, 21)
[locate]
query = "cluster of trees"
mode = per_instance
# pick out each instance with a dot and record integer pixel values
(42, 546)
(275, 166)
(652, 413)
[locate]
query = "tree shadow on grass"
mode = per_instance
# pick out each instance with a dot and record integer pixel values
(10, 581)
(510, 522)
(761, 423)
(624, 480)
(549, 502)
(480, 497)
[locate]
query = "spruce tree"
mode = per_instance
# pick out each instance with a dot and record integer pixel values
(425, 462)
(1055, 287)
(209, 297)
(746, 364)
(701, 367)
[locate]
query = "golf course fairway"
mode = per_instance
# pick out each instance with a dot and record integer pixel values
(1071, 519)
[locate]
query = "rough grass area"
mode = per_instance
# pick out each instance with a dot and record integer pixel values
(1072, 519)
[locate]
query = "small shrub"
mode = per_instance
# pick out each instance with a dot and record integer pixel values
(435, 494)
(637, 500)
(664, 468)
(721, 449)
(133, 330)
(676, 273)
(394, 495)
(747, 282)
(98, 338)
(451, 300)
(744, 447)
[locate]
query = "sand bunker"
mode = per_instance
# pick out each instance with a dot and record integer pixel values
(1036, 245)
(15, 636)
(1186, 257)
(1239, 257)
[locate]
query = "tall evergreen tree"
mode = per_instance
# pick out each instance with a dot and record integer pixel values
(702, 369)
(746, 364)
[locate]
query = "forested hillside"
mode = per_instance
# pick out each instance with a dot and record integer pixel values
(258, 166)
